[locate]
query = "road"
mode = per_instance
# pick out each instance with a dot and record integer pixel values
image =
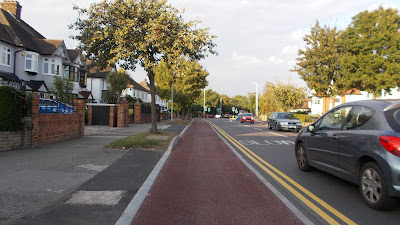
(323, 198)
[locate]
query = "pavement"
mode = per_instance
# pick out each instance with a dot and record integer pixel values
(36, 183)
(198, 180)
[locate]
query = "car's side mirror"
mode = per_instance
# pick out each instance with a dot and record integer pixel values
(311, 128)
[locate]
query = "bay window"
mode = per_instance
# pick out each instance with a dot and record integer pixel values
(51, 66)
(31, 61)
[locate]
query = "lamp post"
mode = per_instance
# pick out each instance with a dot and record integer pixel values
(256, 97)
(220, 103)
(172, 103)
(204, 104)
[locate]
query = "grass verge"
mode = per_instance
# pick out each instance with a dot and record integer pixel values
(142, 140)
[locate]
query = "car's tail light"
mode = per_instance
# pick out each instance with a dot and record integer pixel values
(391, 143)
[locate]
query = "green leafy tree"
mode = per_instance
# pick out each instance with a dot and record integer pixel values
(240, 102)
(371, 51)
(189, 80)
(281, 97)
(319, 64)
(117, 82)
(130, 32)
(62, 89)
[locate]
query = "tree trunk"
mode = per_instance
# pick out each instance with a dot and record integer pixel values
(188, 113)
(153, 103)
(183, 113)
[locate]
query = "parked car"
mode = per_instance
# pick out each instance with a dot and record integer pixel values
(218, 116)
(226, 115)
(247, 117)
(210, 115)
(359, 142)
(284, 121)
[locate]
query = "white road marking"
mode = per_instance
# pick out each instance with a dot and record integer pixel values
(278, 134)
(275, 142)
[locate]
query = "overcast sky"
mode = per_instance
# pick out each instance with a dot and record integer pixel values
(257, 42)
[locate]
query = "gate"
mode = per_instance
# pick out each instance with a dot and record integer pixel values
(101, 115)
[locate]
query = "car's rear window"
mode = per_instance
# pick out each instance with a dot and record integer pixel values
(392, 115)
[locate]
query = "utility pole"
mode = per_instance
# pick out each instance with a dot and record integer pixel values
(204, 104)
(256, 97)
(172, 103)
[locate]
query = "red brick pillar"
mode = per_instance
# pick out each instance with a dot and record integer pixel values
(90, 116)
(35, 119)
(113, 112)
(79, 111)
(123, 114)
(137, 108)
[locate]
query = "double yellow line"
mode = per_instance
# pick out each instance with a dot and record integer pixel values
(273, 172)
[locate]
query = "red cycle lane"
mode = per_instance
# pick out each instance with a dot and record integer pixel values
(204, 182)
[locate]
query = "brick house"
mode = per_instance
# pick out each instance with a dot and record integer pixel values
(30, 62)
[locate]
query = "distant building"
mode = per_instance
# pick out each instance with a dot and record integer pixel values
(320, 104)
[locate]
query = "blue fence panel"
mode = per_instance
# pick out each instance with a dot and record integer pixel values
(54, 106)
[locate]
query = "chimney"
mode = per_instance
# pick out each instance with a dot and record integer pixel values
(13, 7)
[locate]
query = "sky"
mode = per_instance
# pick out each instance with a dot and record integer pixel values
(258, 40)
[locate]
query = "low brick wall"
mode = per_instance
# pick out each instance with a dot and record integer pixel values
(49, 128)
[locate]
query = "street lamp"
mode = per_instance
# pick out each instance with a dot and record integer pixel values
(204, 104)
(256, 97)
(220, 103)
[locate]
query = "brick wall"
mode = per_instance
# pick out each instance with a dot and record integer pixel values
(55, 127)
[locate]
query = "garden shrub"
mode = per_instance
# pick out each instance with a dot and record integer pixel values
(11, 109)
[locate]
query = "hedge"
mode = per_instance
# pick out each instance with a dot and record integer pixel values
(11, 109)
(303, 117)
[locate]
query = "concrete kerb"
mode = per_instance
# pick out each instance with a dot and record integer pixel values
(133, 207)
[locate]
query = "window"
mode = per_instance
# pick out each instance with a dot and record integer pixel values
(334, 119)
(51, 66)
(358, 117)
(31, 62)
(5, 56)
(317, 102)
(74, 74)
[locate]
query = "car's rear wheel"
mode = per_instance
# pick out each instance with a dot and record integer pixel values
(372, 186)
(301, 156)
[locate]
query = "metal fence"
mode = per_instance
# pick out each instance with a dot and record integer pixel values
(54, 106)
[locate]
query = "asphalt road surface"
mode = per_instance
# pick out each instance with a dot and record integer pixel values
(323, 198)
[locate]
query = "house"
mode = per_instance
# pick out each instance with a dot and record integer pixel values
(30, 62)
(160, 102)
(97, 82)
(320, 104)
(137, 91)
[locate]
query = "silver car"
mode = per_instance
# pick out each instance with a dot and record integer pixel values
(284, 121)
(358, 142)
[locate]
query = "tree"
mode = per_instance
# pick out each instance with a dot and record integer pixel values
(189, 80)
(128, 32)
(62, 89)
(240, 102)
(281, 97)
(319, 64)
(117, 82)
(371, 51)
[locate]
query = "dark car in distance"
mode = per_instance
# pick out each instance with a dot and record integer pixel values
(359, 142)
(284, 121)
